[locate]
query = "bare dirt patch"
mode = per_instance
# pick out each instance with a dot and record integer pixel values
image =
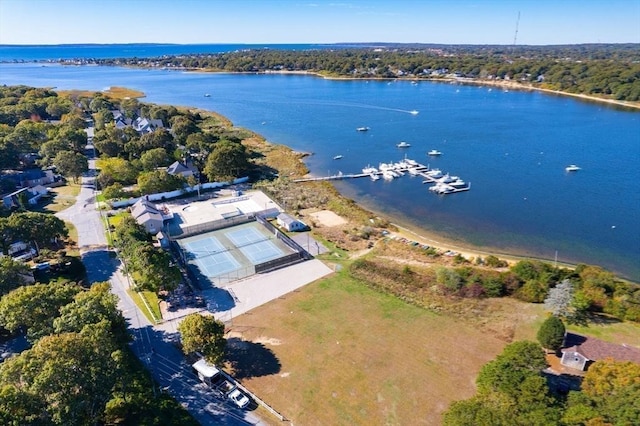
(328, 218)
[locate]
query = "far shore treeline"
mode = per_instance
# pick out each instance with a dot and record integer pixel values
(607, 71)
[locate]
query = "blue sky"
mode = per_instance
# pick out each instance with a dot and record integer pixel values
(318, 21)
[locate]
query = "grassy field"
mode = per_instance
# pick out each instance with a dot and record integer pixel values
(340, 353)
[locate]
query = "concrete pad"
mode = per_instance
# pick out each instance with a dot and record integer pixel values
(262, 288)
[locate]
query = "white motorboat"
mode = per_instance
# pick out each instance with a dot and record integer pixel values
(441, 188)
(388, 175)
(368, 170)
(572, 168)
(435, 173)
(434, 153)
(447, 179)
(374, 176)
(458, 183)
(337, 157)
(403, 144)
(414, 112)
(362, 129)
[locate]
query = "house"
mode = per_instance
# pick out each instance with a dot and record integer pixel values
(581, 351)
(148, 215)
(290, 223)
(29, 177)
(145, 125)
(31, 195)
(183, 169)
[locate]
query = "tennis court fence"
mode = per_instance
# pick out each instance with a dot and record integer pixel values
(284, 238)
(201, 228)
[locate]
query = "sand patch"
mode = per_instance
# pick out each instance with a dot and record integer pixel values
(328, 218)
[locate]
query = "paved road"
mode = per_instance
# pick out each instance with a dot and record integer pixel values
(155, 347)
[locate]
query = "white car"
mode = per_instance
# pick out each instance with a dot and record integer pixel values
(238, 398)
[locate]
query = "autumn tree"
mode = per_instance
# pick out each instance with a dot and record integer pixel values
(204, 334)
(610, 395)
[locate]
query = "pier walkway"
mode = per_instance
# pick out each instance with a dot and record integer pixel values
(443, 183)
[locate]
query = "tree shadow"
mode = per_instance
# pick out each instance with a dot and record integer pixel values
(100, 265)
(250, 359)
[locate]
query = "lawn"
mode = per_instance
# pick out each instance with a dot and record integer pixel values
(337, 352)
(62, 197)
(152, 301)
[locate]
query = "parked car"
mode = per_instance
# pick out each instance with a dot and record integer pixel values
(238, 398)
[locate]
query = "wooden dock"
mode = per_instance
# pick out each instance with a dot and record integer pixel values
(398, 169)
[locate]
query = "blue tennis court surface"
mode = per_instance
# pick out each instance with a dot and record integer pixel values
(254, 245)
(242, 237)
(261, 252)
(211, 257)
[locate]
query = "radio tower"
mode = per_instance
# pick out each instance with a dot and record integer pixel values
(515, 36)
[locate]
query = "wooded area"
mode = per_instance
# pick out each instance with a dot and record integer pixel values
(610, 71)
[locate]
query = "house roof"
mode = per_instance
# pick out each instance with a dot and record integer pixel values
(595, 349)
(177, 167)
(286, 218)
(149, 217)
(143, 206)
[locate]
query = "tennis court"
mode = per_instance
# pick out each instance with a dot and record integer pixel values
(211, 256)
(229, 254)
(254, 245)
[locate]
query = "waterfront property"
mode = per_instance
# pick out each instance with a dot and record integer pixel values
(581, 351)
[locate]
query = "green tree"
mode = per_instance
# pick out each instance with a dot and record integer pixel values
(12, 274)
(34, 307)
(70, 375)
(41, 229)
(551, 333)
(114, 192)
(71, 163)
(157, 181)
(91, 307)
(155, 158)
(227, 161)
(204, 334)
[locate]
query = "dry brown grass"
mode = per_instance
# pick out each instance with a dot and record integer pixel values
(350, 355)
(113, 92)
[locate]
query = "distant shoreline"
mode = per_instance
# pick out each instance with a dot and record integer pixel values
(471, 81)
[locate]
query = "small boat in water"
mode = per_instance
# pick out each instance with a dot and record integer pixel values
(414, 112)
(337, 157)
(374, 177)
(434, 153)
(403, 144)
(362, 129)
(206, 95)
(572, 168)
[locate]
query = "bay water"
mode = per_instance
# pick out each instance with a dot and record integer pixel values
(512, 147)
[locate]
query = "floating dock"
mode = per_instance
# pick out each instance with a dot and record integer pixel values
(443, 183)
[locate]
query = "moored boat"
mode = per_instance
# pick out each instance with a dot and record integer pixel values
(572, 168)
(362, 129)
(434, 152)
(337, 157)
(403, 144)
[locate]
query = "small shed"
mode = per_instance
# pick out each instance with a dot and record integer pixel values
(290, 223)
